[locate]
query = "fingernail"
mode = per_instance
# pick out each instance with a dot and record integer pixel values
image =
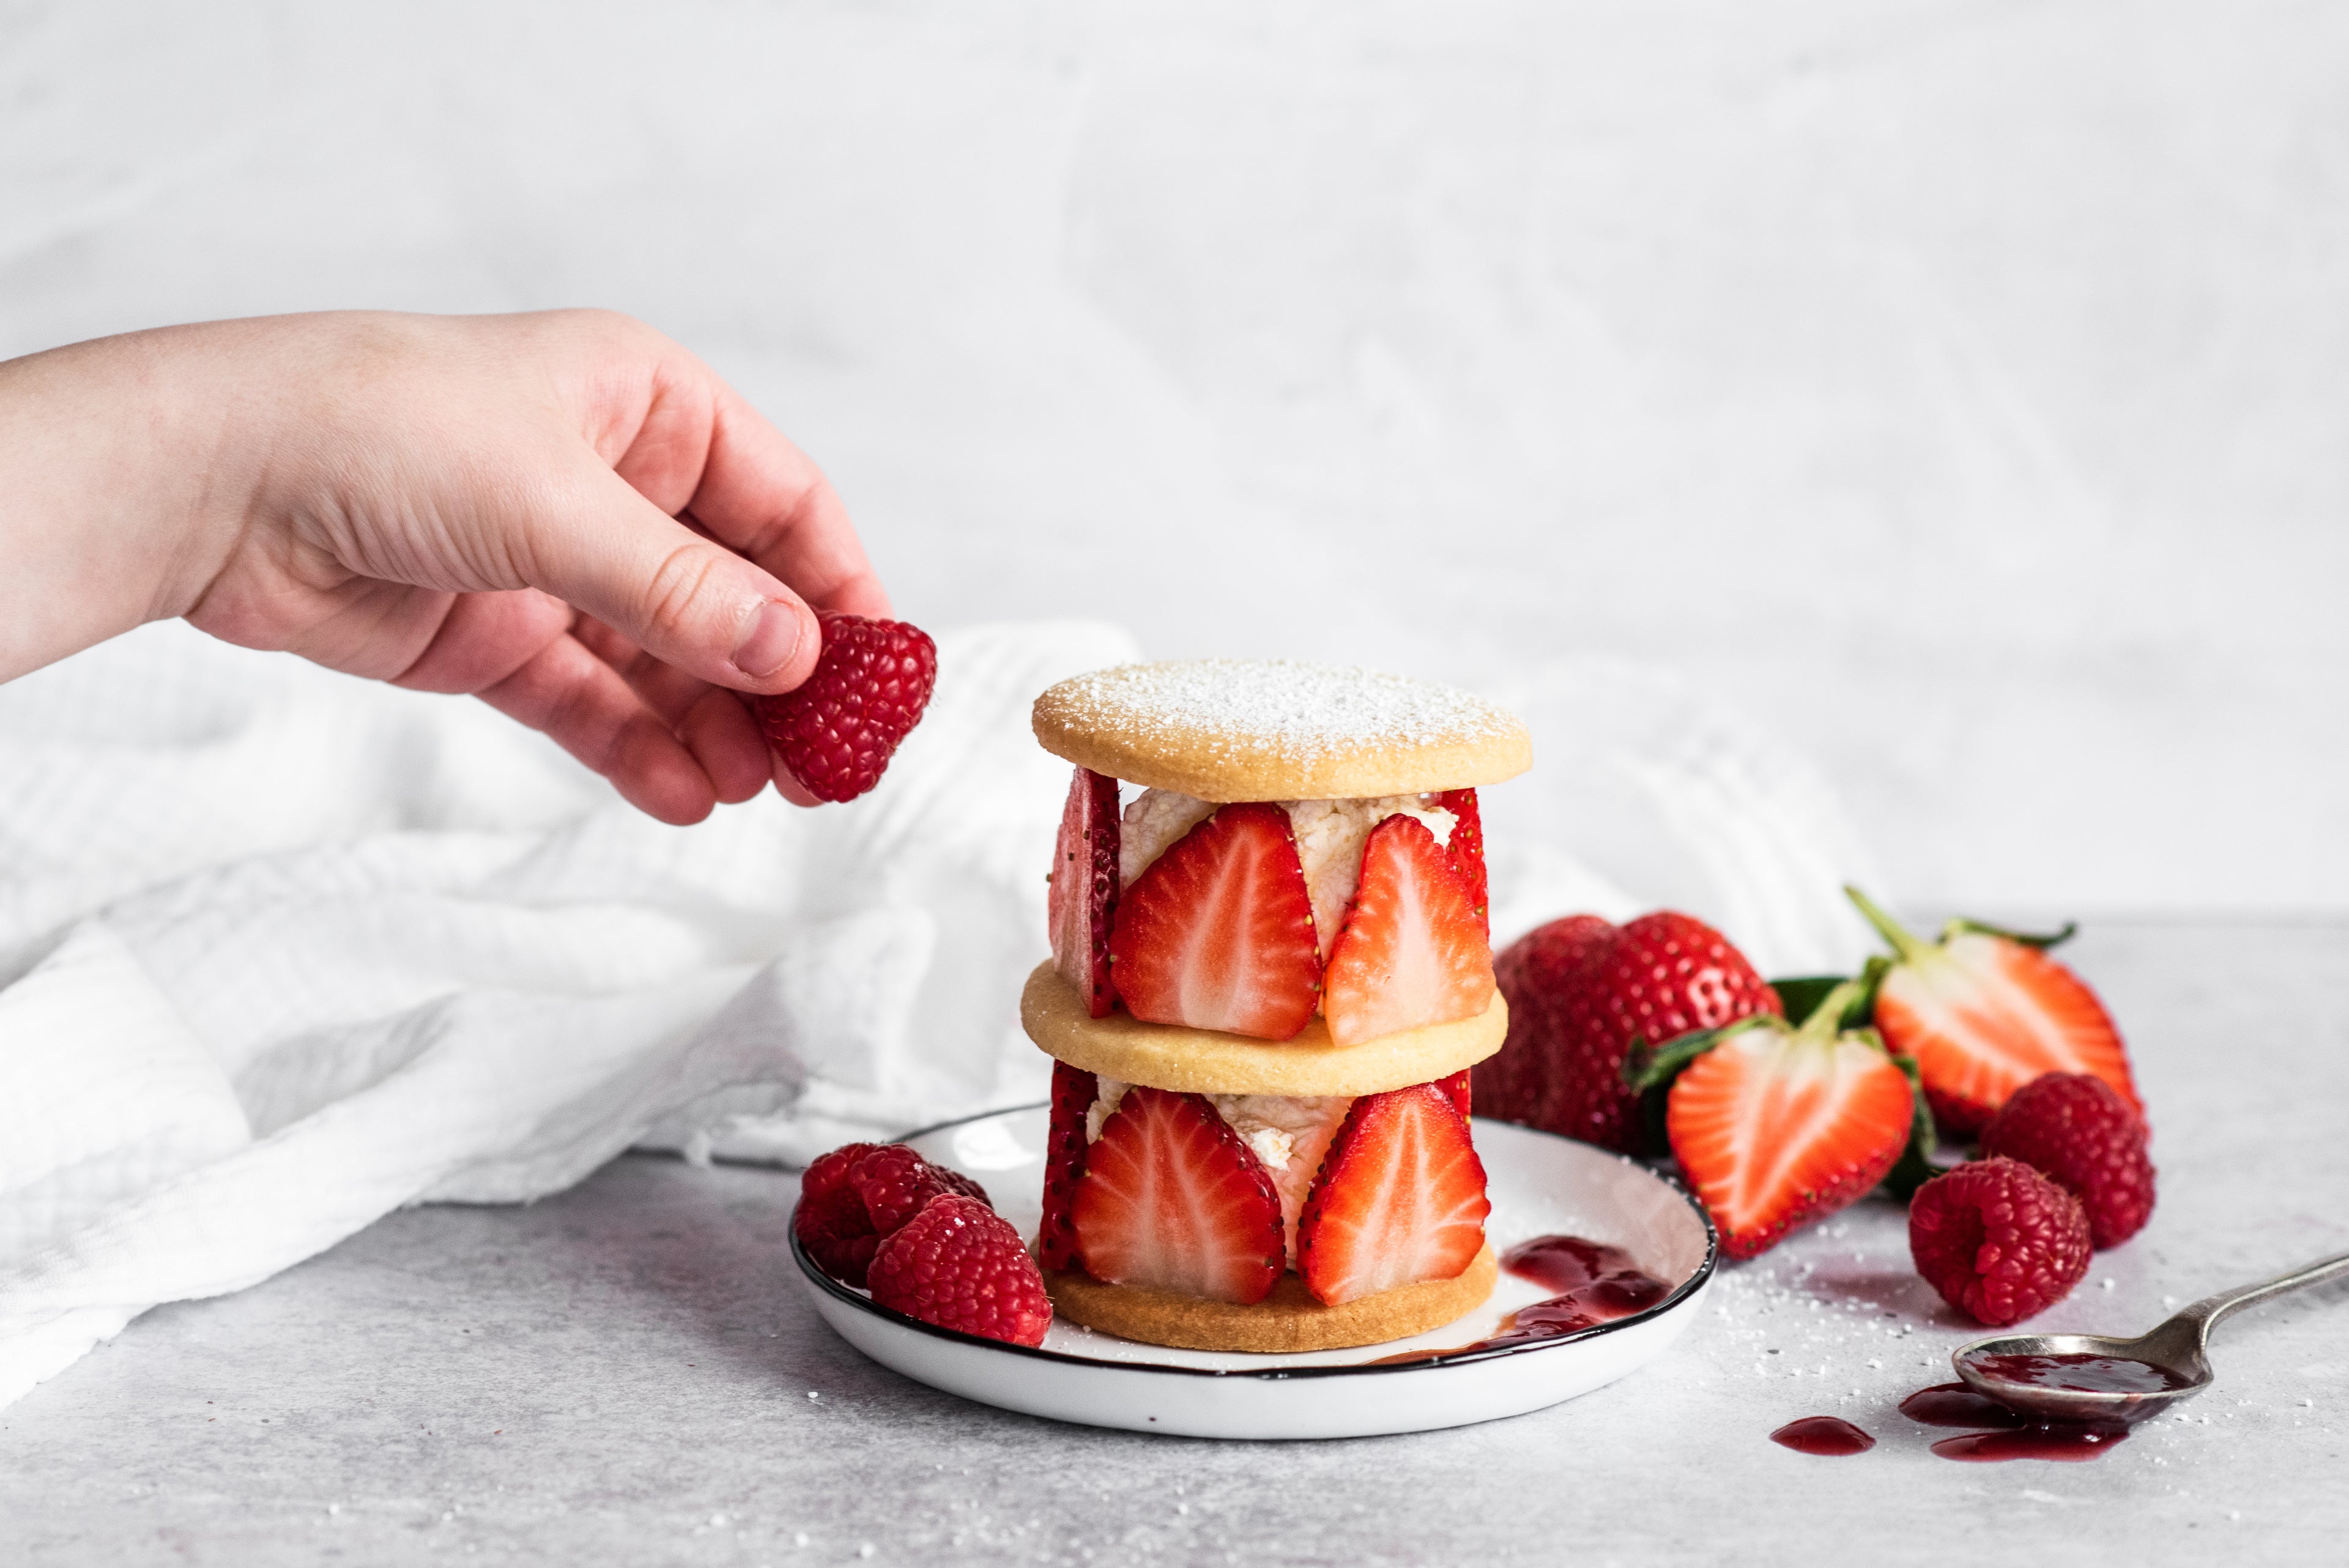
(768, 642)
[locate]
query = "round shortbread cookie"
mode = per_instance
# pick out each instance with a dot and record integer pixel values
(1284, 1323)
(1232, 730)
(1207, 1062)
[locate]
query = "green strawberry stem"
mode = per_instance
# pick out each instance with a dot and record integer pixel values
(1826, 1020)
(1904, 941)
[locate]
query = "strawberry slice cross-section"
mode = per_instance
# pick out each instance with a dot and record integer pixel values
(1400, 1200)
(1985, 1012)
(1082, 898)
(1174, 1199)
(1777, 1126)
(1414, 950)
(1217, 932)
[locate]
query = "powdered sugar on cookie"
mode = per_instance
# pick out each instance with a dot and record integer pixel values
(1247, 709)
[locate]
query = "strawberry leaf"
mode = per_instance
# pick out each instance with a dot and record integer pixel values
(1647, 1066)
(2042, 941)
(1801, 995)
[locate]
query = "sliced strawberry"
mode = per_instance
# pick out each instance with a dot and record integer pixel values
(1083, 900)
(1217, 932)
(1776, 1126)
(1400, 1200)
(1173, 1199)
(1984, 1013)
(1413, 951)
(1456, 1089)
(1466, 850)
(1073, 1093)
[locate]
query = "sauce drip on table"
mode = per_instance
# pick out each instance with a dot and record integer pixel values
(1595, 1284)
(2011, 1435)
(1829, 1436)
(2073, 1440)
(1957, 1405)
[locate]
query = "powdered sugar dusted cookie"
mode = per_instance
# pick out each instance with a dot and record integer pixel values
(1243, 729)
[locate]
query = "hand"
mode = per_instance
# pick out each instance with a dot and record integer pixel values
(565, 514)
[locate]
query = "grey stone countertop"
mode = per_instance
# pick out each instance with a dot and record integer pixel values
(630, 1373)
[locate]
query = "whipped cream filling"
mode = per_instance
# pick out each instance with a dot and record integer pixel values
(1287, 1134)
(1330, 835)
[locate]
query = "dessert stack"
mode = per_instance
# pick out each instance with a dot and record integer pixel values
(1271, 973)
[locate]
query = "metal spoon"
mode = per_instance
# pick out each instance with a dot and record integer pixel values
(2174, 1348)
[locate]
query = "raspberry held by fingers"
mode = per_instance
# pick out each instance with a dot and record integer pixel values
(835, 732)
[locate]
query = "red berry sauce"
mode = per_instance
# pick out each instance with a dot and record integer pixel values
(2013, 1435)
(1957, 1405)
(1829, 1436)
(2070, 1441)
(2089, 1374)
(1595, 1284)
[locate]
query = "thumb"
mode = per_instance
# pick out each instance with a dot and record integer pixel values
(688, 601)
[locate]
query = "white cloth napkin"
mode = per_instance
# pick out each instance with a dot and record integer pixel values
(281, 952)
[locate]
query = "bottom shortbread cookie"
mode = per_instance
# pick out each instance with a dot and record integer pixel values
(1285, 1322)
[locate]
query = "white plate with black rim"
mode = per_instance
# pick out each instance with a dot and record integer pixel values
(1540, 1185)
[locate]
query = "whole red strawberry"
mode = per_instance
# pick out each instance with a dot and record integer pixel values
(1998, 1240)
(837, 730)
(1514, 1081)
(960, 1265)
(854, 1199)
(2073, 1128)
(1581, 991)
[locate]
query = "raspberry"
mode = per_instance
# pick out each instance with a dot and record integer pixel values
(2076, 1129)
(830, 1171)
(960, 1265)
(1998, 1240)
(854, 1198)
(837, 731)
(896, 1184)
(831, 1223)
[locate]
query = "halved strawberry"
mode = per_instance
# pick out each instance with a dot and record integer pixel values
(1466, 850)
(1985, 1012)
(1073, 1093)
(1173, 1199)
(1400, 1200)
(1776, 1126)
(1456, 1089)
(1083, 900)
(1413, 951)
(1217, 932)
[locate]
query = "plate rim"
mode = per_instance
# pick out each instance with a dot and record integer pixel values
(1686, 1289)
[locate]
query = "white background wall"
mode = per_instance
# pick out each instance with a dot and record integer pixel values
(1958, 389)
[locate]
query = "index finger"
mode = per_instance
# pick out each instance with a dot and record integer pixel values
(763, 497)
